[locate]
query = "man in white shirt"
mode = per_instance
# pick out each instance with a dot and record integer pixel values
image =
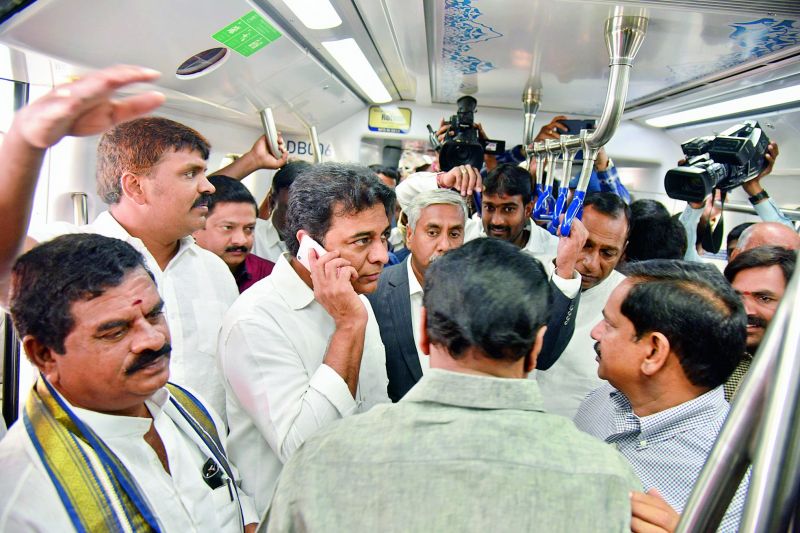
(607, 219)
(151, 173)
(301, 348)
(105, 442)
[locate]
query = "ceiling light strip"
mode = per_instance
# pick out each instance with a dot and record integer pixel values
(348, 54)
(315, 14)
(730, 107)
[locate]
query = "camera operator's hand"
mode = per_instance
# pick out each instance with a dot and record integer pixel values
(753, 186)
(463, 178)
(550, 131)
(443, 131)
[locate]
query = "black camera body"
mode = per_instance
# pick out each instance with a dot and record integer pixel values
(462, 144)
(719, 162)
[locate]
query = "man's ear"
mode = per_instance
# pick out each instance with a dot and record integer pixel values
(424, 341)
(659, 350)
(528, 210)
(132, 187)
(531, 358)
(42, 357)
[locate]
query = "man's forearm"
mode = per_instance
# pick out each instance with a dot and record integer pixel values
(21, 166)
(240, 168)
(345, 351)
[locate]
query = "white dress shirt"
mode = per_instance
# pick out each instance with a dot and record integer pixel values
(272, 345)
(267, 241)
(415, 294)
(565, 384)
(197, 288)
(181, 500)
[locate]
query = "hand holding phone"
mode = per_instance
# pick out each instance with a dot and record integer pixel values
(307, 244)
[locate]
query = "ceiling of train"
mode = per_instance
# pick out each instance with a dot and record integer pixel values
(428, 51)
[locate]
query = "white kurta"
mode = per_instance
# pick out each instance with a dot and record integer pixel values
(415, 296)
(197, 288)
(181, 500)
(272, 345)
(267, 241)
(565, 385)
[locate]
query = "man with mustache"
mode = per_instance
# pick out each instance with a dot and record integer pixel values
(301, 349)
(151, 173)
(105, 443)
(759, 275)
(230, 228)
(671, 335)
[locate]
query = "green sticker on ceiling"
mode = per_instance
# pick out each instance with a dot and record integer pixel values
(248, 34)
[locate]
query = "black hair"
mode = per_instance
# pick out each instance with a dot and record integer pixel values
(286, 175)
(510, 180)
(696, 309)
(763, 256)
(389, 172)
(328, 190)
(610, 205)
(47, 280)
(486, 295)
(229, 190)
(653, 233)
(736, 232)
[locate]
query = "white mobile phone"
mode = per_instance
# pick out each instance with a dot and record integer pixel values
(307, 244)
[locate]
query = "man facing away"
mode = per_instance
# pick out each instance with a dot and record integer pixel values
(105, 443)
(671, 335)
(469, 448)
(228, 233)
(301, 348)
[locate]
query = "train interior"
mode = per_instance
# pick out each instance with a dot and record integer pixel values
(361, 80)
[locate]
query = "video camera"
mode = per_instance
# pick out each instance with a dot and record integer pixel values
(723, 162)
(462, 144)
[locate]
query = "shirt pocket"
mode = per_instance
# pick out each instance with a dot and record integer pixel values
(208, 316)
(226, 509)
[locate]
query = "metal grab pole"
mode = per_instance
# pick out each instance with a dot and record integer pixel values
(312, 134)
(530, 106)
(80, 208)
(728, 460)
(270, 131)
(539, 155)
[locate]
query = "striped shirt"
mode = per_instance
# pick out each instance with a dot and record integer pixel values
(667, 449)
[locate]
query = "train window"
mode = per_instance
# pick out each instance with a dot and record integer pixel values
(202, 63)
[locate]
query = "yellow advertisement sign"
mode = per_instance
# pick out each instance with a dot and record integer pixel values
(389, 119)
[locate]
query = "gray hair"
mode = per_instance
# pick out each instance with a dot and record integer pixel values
(429, 198)
(322, 192)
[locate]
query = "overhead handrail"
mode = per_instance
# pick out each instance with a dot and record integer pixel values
(624, 35)
(762, 428)
(546, 203)
(568, 158)
(530, 106)
(80, 208)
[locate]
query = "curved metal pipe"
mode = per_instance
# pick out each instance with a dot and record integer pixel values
(530, 104)
(270, 131)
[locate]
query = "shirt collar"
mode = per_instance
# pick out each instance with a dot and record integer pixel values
(476, 392)
(413, 284)
(110, 227)
(289, 285)
(271, 233)
(108, 426)
(694, 414)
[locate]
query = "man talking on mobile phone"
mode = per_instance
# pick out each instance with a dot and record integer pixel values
(301, 348)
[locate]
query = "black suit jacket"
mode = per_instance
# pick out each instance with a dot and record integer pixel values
(391, 304)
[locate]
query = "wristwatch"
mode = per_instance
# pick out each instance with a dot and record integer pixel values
(758, 197)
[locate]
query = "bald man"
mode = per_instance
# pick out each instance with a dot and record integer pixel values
(767, 233)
